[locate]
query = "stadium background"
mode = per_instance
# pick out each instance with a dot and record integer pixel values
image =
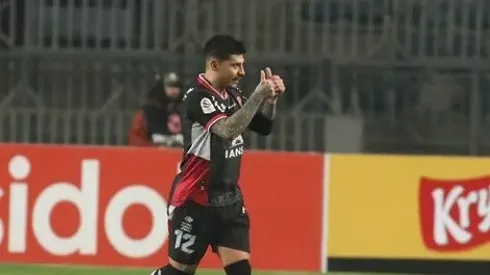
(404, 77)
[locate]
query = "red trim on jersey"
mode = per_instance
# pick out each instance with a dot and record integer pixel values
(196, 171)
(213, 120)
(206, 84)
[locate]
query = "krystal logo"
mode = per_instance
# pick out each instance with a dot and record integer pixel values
(455, 215)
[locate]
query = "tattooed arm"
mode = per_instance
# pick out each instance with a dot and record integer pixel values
(236, 124)
(204, 109)
(269, 109)
(263, 120)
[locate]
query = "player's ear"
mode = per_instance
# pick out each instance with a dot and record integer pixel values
(214, 64)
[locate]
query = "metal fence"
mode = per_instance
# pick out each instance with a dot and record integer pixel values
(415, 72)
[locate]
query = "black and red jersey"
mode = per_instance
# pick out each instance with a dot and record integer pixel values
(210, 168)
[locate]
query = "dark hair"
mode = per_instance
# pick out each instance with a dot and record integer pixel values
(222, 46)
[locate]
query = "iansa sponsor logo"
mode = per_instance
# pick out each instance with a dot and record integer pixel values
(455, 214)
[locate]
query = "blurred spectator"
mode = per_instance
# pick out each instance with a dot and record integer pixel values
(158, 122)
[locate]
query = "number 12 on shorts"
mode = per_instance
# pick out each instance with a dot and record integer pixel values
(184, 241)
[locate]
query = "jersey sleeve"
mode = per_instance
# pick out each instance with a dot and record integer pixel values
(204, 109)
(260, 124)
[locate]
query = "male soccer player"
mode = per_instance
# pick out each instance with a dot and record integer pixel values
(206, 205)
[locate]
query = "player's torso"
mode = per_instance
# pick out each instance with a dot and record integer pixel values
(224, 155)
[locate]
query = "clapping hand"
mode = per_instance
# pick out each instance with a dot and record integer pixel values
(277, 85)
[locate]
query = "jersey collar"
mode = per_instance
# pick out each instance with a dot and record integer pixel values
(206, 84)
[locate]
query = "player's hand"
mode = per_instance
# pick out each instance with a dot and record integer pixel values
(266, 85)
(278, 85)
(279, 88)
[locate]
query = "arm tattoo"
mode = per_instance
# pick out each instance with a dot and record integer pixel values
(234, 125)
(269, 110)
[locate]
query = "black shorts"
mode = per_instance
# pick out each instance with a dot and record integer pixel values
(193, 227)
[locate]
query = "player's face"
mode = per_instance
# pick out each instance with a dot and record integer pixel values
(232, 70)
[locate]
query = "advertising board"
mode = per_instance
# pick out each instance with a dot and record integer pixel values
(107, 206)
(409, 208)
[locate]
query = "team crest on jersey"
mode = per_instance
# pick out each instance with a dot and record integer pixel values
(207, 106)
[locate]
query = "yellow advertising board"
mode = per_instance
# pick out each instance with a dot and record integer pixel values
(403, 207)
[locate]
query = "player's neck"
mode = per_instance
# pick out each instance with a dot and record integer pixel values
(212, 79)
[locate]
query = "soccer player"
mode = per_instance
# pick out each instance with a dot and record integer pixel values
(206, 205)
